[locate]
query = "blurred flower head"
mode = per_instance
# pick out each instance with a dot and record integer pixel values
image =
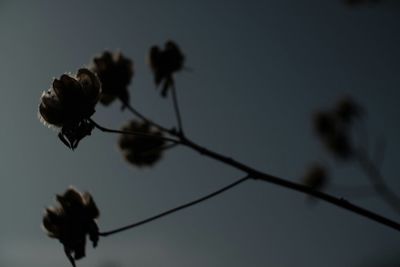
(71, 221)
(164, 63)
(141, 150)
(333, 127)
(69, 104)
(115, 73)
(316, 177)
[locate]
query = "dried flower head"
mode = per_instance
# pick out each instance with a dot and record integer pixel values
(115, 73)
(164, 63)
(69, 104)
(138, 149)
(71, 221)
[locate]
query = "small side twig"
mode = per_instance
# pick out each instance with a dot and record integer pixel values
(104, 129)
(135, 112)
(181, 207)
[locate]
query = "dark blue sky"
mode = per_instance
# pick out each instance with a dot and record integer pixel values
(260, 70)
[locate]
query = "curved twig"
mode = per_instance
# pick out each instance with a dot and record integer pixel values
(107, 130)
(135, 112)
(181, 207)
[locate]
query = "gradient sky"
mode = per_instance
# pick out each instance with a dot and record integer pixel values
(260, 70)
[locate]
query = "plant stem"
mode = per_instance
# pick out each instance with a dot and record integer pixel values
(107, 130)
(181, 207)
(176, 108)
(258, 175)
(255, 174)
(142, 117)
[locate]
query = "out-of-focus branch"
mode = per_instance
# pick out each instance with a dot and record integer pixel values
(377, 180)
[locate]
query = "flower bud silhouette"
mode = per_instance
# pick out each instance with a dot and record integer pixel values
(71, 221)
(69, 104)
(115, 73)
(141, 150)
(164, 63)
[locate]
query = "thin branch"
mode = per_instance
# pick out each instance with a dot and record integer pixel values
(107, 130)
(258, 175)
(255, 174)
(181, 207)
(142, 117)
(176, 107)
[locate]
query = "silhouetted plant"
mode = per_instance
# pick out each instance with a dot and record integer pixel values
(70, 105)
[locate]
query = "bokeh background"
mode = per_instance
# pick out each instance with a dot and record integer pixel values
(259, 71)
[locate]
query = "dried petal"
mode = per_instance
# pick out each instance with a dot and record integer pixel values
(90, 84)
(90, 205)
